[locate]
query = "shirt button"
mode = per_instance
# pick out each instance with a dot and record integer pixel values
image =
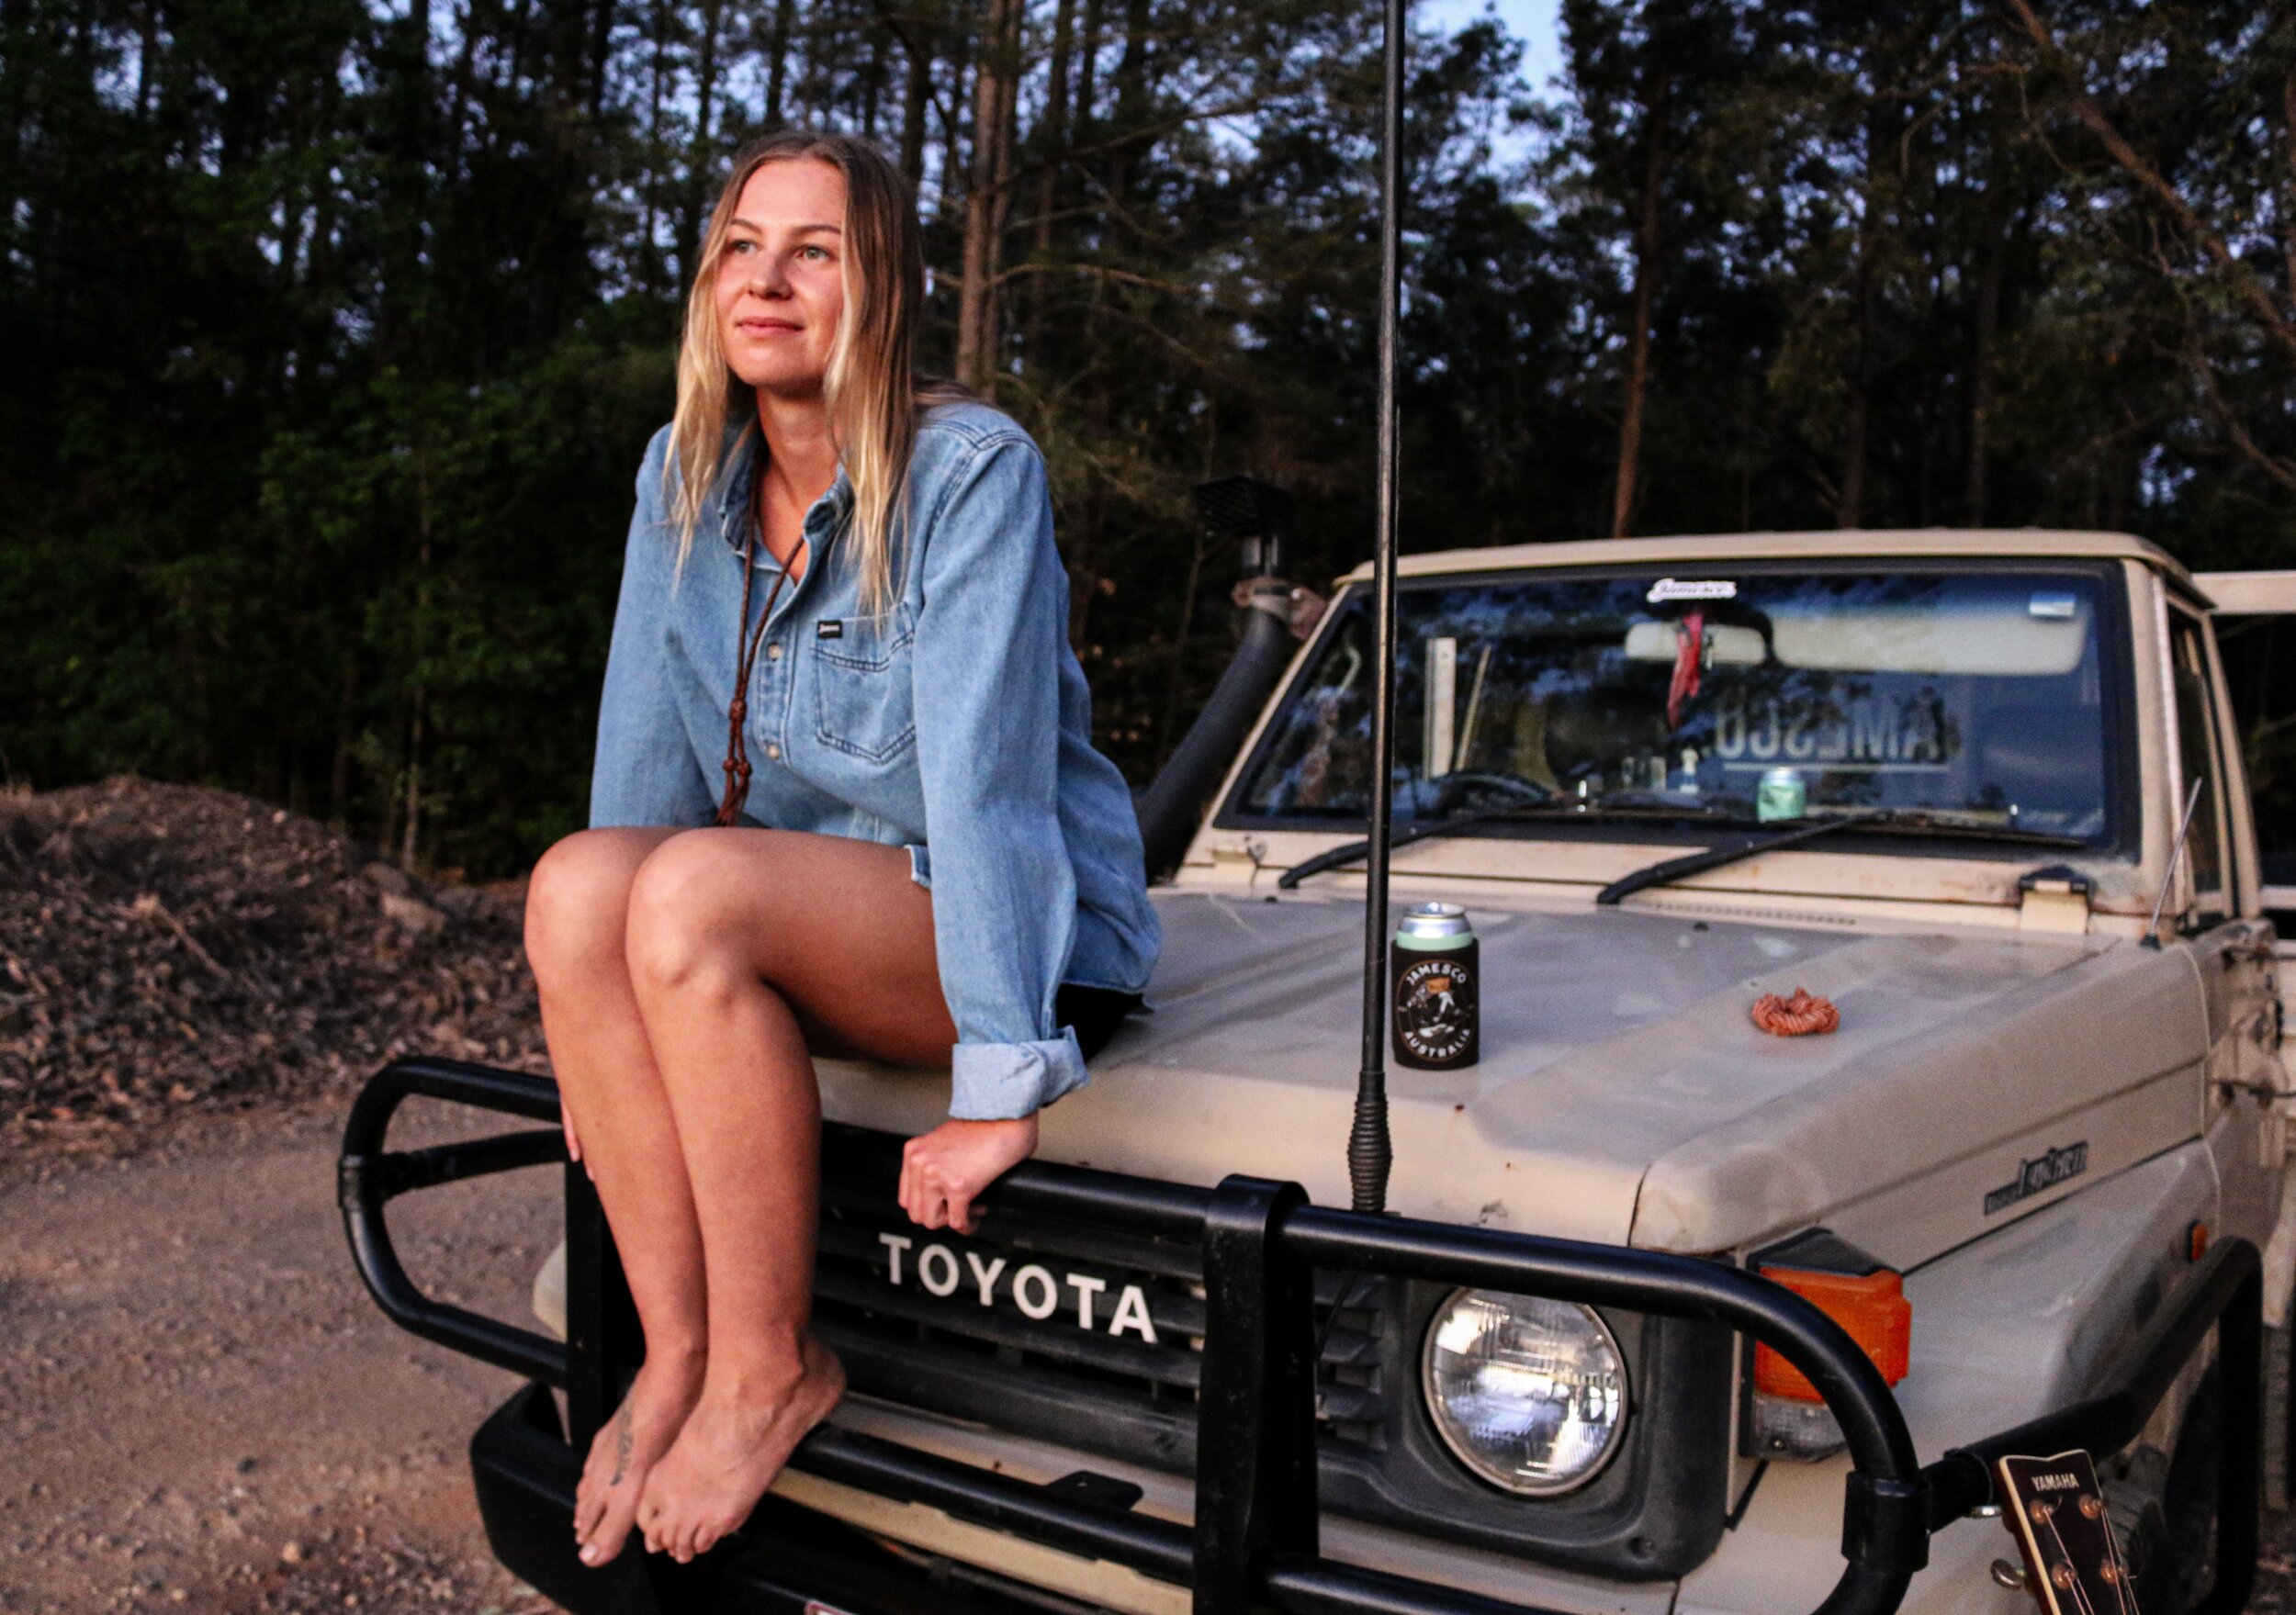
(773, 751)
(773, 651)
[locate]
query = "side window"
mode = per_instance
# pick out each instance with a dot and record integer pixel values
(2196, 746)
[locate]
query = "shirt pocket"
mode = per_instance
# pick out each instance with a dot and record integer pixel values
(863, 704)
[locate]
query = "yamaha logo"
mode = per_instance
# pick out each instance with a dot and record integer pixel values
(1035, 1289)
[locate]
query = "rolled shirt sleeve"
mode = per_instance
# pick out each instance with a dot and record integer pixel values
(646, 771)
(990, 634)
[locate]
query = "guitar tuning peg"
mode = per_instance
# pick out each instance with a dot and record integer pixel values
(2005, 1573)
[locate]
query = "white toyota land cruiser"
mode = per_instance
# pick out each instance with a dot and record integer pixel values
(1673, 1312)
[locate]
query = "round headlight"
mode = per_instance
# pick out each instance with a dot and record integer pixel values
(1530, 1394)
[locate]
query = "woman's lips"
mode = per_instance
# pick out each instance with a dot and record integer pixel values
(764, 327)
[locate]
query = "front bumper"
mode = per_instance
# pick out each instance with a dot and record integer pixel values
(787, 1560)
(1253, 1541)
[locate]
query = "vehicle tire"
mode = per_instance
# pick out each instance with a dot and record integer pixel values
(2277, 1343)
(2189, 1501)
(2140, 1524)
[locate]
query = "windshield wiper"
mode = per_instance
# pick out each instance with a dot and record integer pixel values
(1451, 823)
(1348, 852)
(1913, 820)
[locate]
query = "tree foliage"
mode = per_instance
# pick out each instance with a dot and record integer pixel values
(334, 330)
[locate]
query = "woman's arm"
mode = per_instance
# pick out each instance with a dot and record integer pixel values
(646, 772)
(990, 636)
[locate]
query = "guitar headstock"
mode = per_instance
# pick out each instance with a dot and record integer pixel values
(2057, 1511)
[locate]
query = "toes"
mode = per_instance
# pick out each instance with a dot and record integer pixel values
(588, 1506)
(603, 1540)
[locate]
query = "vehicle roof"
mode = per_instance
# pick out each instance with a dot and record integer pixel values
(1832, 543)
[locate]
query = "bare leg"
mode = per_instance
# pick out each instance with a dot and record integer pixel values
(740, 942)
(577, 908)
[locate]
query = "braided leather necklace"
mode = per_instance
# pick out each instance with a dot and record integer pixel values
(746, 662)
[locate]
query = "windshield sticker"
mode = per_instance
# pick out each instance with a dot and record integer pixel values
(2040, 1176)
(1691, 589)
(1871, 734)
(2060, 606)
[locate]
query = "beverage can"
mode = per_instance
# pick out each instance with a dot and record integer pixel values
(1435, 973)
(1781, 795)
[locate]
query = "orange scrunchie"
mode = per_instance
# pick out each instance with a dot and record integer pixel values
(1797, 1016)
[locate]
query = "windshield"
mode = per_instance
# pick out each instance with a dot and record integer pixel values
(1761, 696)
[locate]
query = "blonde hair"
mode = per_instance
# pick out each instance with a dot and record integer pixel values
(873, 395)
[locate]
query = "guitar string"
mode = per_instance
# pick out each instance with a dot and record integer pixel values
(2078, 1590)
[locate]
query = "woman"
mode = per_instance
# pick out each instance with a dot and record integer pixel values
(840, 646)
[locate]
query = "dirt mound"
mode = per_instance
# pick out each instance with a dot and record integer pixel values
(164, 946)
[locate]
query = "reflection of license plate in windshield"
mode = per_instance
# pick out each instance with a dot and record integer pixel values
(1869, 735)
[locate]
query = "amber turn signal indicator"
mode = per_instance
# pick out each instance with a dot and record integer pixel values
(1871, 1308)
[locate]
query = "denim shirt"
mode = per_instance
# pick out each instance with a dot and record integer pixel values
(955, 722)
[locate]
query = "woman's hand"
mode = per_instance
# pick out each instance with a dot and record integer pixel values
(943, 1170)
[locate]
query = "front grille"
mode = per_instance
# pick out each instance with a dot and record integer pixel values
(1024, 1361)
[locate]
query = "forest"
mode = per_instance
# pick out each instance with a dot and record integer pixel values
(332, 331)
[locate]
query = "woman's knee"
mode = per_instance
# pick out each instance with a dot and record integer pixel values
(577, 901)
(689, 918)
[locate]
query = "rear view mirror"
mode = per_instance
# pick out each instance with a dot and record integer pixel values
(1727, 645)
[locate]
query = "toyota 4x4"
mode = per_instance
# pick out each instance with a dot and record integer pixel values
(1673, 1313)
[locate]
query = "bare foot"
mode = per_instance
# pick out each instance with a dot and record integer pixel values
(727, 1455)
(632, 1441)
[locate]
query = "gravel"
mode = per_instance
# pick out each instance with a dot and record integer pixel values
(166, 949)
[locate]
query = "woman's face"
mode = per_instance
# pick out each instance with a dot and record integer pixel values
(781, 289)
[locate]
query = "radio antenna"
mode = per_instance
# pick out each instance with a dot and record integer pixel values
(2169, 875)
(1370, 1150)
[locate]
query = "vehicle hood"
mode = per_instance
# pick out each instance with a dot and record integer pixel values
(1623, 1094)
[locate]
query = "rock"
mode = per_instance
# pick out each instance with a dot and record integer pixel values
(388, 879)
(292, 1553)
(412, 915)
(461, 902)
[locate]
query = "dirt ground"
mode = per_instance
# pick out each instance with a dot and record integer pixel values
(200, 1409)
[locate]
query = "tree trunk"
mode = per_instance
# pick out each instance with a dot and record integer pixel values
(953, 160)
(148, 47)
(601, 57)
(698, 160)
(346, 735)
(992, 91)
(1007, 126)
(1052, 153)
(1647, 244)
(1088, 66)
(653, 134)
(1131, 95)
(917, 104)
(2288, 176)
(1850, 510)
(1985, 321)
(874, 78)
(777, 66)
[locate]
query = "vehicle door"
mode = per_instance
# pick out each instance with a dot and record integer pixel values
(2224, 708)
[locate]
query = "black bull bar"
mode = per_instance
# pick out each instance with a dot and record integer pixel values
(1253, 1541)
